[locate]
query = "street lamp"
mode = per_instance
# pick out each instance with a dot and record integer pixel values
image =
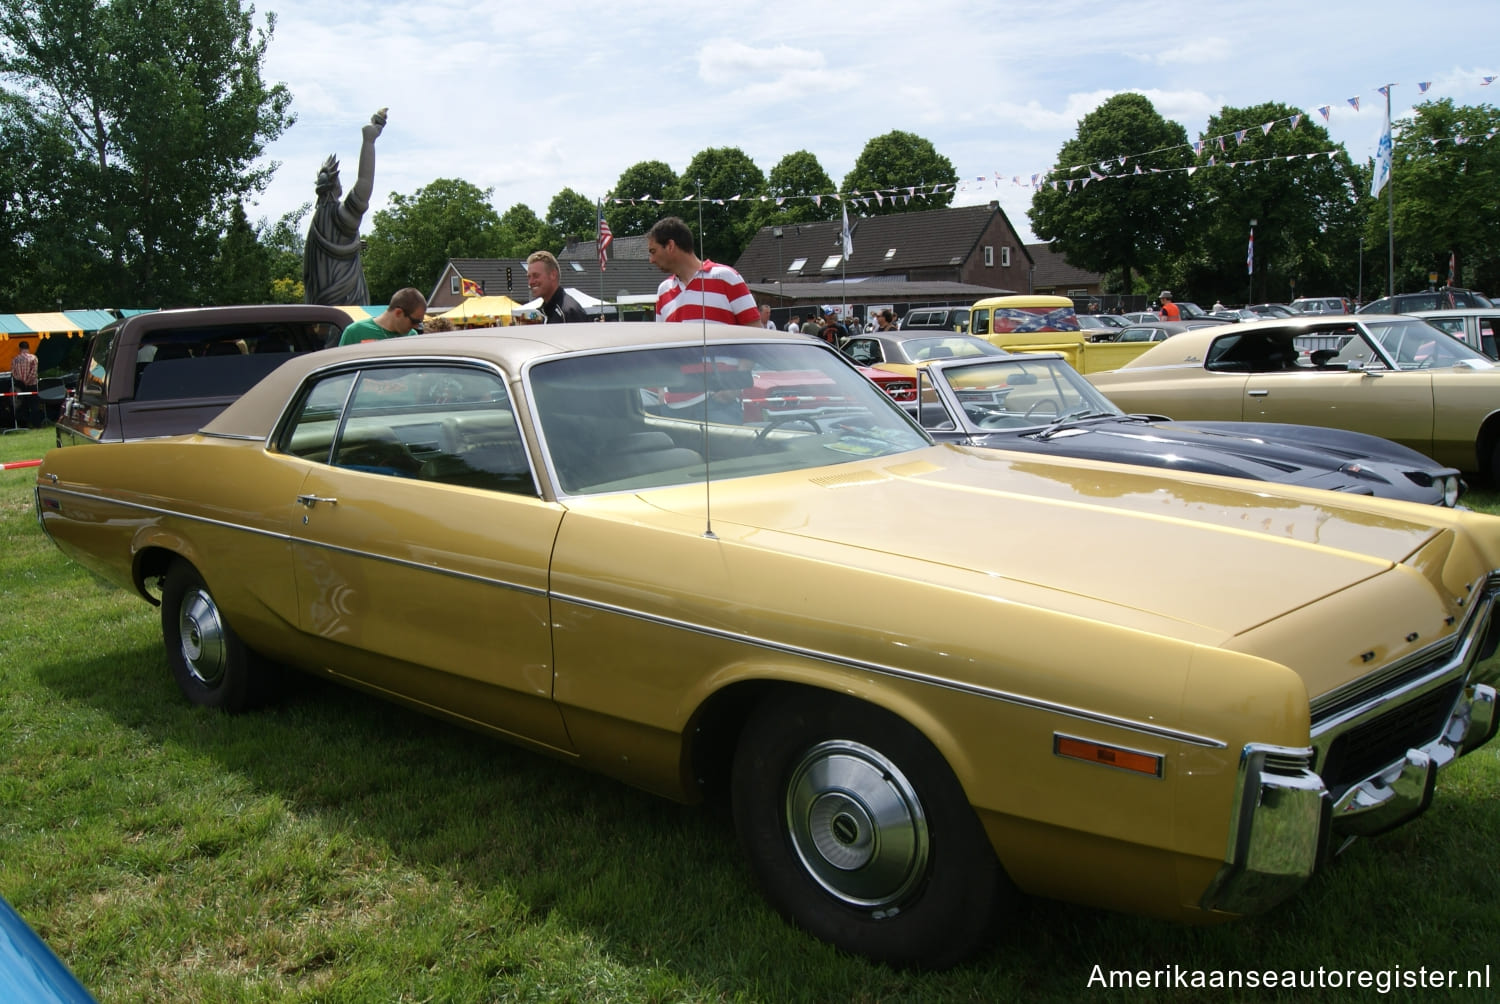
(777, 233)
(1359, 295)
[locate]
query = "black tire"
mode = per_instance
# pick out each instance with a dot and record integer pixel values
(859, 833)
(212, 667)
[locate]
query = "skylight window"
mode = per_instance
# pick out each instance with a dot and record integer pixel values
(797, 265)
(832, 262)
(890, 254)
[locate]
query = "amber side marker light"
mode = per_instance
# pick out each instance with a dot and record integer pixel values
(1106, 756)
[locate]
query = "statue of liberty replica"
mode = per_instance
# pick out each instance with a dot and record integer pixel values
(332, 272)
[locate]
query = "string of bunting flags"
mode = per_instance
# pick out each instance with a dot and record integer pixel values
(1080, 175)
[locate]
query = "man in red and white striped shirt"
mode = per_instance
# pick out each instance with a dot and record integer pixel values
(696, 289)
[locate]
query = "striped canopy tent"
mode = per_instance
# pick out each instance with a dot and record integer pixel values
(33, 328)
(363, 313)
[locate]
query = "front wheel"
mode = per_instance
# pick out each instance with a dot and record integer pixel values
(211, 665)
(860, 834)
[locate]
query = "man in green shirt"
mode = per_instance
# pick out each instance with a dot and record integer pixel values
(404, 316)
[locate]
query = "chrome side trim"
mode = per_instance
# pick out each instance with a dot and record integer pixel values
(895, 672)
(292, 539)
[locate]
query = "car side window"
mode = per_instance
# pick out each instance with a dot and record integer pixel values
(447, 424)
(865, 351)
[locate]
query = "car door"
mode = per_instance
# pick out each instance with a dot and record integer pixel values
(1371, 398)
(421, 547)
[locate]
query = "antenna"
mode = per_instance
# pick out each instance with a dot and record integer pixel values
(708, 511)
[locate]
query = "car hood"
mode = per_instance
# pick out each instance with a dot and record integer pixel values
(1180, 556)
(1265, 452)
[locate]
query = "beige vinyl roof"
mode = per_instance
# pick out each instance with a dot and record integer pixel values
(511, 348)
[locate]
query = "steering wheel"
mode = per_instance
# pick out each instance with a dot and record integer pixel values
(1050, 404)
(777, 421)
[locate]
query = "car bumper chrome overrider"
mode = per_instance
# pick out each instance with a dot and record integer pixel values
(1372, 766)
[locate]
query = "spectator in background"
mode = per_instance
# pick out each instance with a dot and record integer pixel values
(404, 316)
(794, 326)
(24, 380)
(1169, 310)
(765, 317)
(833, 331)
(885, 320)
(813, 325)
(696, 288)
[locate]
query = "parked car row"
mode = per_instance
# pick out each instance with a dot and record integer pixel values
(1391, 376)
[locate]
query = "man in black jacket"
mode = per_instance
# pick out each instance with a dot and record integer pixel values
(544, 281)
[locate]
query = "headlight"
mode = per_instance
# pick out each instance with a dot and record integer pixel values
(1452, 489)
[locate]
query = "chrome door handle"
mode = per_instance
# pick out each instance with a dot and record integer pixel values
(1259, 393)
(312, 500)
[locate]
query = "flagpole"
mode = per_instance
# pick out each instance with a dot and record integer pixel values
(1390, 203)
(599, 249)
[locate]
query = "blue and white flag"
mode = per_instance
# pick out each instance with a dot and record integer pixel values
(848, 238)
(1382, 159)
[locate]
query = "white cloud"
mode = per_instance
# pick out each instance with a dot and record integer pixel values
(482, 91)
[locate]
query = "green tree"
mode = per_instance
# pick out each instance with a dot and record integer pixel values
(284, 244)
(42, 261)
(165, 110)
(1304, 205)
(413, 239)
(1445, 177)
(521, 232)
(791, 185)
(897, 162)
(570, 217)
(650, 179)
(1132, 222)
(727, 184)
(242, 268)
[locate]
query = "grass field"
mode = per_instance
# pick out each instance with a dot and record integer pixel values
(338, 849)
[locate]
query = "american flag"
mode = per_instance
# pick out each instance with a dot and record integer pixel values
(606, 238)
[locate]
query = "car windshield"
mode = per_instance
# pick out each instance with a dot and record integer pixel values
(652, 417)
(1415, 344)
(954, 347)
(1023, 393)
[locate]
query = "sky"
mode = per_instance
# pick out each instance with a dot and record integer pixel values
(529, 99)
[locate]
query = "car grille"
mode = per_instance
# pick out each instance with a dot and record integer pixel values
(1372, 745)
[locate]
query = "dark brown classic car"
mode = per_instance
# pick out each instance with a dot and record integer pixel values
(170, 371)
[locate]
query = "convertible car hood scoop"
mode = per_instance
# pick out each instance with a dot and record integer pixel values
(1123, 547)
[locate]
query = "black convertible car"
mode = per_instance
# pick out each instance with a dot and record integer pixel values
(1040, 404)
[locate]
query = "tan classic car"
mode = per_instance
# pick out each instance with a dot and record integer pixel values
(585, 539)
(1391, 376)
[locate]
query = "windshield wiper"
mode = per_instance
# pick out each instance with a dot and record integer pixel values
(1075, 417)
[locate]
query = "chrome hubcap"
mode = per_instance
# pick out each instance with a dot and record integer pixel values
(857, 825)
(202, 633)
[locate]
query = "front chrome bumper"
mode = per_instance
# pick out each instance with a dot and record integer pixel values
(1294, 806)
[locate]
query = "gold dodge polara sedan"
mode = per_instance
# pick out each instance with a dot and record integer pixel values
(711, 561)
(1387, 375)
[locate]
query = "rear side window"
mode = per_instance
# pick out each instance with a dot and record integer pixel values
(94, 380)
(222, 360)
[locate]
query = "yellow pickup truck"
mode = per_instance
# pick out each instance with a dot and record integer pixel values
(1046, 324)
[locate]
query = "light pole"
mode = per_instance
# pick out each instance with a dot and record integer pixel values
(1359, 295)
(777, 233)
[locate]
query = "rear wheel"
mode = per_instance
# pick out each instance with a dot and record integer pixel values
(860, 834)
(211, 665)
